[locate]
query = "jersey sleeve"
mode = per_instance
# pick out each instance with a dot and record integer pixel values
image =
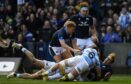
(60, 36)
(91, 21)
(73, 37)
(73, 18)
(97, 61)
(109, 69)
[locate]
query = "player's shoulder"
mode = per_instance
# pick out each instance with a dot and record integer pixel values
(89, 16)
(61, 31)
(74, 17)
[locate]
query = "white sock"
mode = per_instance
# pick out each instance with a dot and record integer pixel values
(70, 76)
(18, 75)
(55, 76)
(23, 50)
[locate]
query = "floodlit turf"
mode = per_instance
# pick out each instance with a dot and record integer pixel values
(122, 79)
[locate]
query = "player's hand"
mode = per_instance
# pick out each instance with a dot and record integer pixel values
(4, 43)
(76, 50)
(95, 39)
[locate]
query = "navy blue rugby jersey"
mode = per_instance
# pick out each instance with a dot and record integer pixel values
(105, 69)
(61, 34)
(82, 25)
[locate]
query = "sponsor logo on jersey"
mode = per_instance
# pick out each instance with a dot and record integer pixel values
(83, 24)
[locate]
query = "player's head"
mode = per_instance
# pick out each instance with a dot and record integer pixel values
(84, 8)
(110, 59)
(84, 11)
(70, 26)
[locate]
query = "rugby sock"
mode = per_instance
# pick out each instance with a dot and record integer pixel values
(23, 50)
(70, 76)
(18, 75)
(55, 76)
(50, 72)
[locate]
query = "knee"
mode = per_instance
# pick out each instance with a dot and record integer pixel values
(62, 63)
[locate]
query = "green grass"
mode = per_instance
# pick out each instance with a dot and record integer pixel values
(121, 79)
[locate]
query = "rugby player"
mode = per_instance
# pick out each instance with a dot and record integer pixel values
(62, 40)
(79, 64)
(106, 69)
(41, 64)
(85, 31)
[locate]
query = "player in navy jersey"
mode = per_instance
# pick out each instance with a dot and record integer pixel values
(84, 24)
(106, 69)
(62, 41)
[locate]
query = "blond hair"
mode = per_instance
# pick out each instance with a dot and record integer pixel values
(112, 56)
(69, 24)
(84, 4)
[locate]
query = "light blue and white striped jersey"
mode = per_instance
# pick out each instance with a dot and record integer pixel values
(91, 57)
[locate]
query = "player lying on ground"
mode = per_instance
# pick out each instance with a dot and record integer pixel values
(106, 69)
(38, 74)
(31, 57)
(45, 65)
(41, 64)
(80, 64)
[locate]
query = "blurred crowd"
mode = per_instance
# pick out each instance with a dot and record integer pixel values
(37, 20)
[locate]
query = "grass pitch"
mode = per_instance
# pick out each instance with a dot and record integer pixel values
(121, 79)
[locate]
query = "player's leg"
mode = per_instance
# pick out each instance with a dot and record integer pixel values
(29, 55)
(49, 74)
(70, 76)
(55, 76)
(55, 52)
(38, 63)
(61, 71)
(66, 65)
(70, 62)
(57, 67)
(80, 68)
(36, 75)
(65, 54)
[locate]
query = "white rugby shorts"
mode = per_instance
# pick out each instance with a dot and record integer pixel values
(79, 63)
(56, 50)
(84, 42)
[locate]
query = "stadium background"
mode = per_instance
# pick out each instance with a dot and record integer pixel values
(32, 23)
